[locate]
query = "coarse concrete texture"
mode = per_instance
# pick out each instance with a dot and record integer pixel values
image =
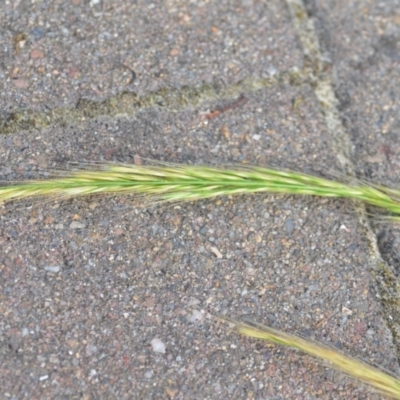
(365, 54)
(55, 52)
(103, 297)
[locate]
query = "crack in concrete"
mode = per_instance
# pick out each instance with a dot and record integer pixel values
(129, 103)
(388, 285)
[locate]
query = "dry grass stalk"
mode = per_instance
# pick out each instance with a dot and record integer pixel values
(374, 377)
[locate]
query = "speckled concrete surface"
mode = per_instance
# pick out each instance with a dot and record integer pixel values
(71, 49)
(103, 298)
(365, 54)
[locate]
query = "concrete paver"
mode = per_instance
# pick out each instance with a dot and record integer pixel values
(89, 284)
(98, 49)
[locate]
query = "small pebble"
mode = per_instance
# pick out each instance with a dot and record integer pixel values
(118, 231)
(289, 225)
(203, 230)
(55, 268)
(21, 83)
(149, 302)
(76, 225)
(74, 73)
(216, 252)
(36, 53)
(37, 32)
(196, 316)
(73, 245)
(91, 349)
(155, 228)
(346, 311)
(93, 205)
(148, 374)
(158, 345)
(193, 302)
(137, 160)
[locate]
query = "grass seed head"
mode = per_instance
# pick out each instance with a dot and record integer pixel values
(187, 183)
(372, 376)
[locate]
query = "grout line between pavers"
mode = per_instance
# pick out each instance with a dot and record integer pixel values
(127, 104)
(388, 285)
